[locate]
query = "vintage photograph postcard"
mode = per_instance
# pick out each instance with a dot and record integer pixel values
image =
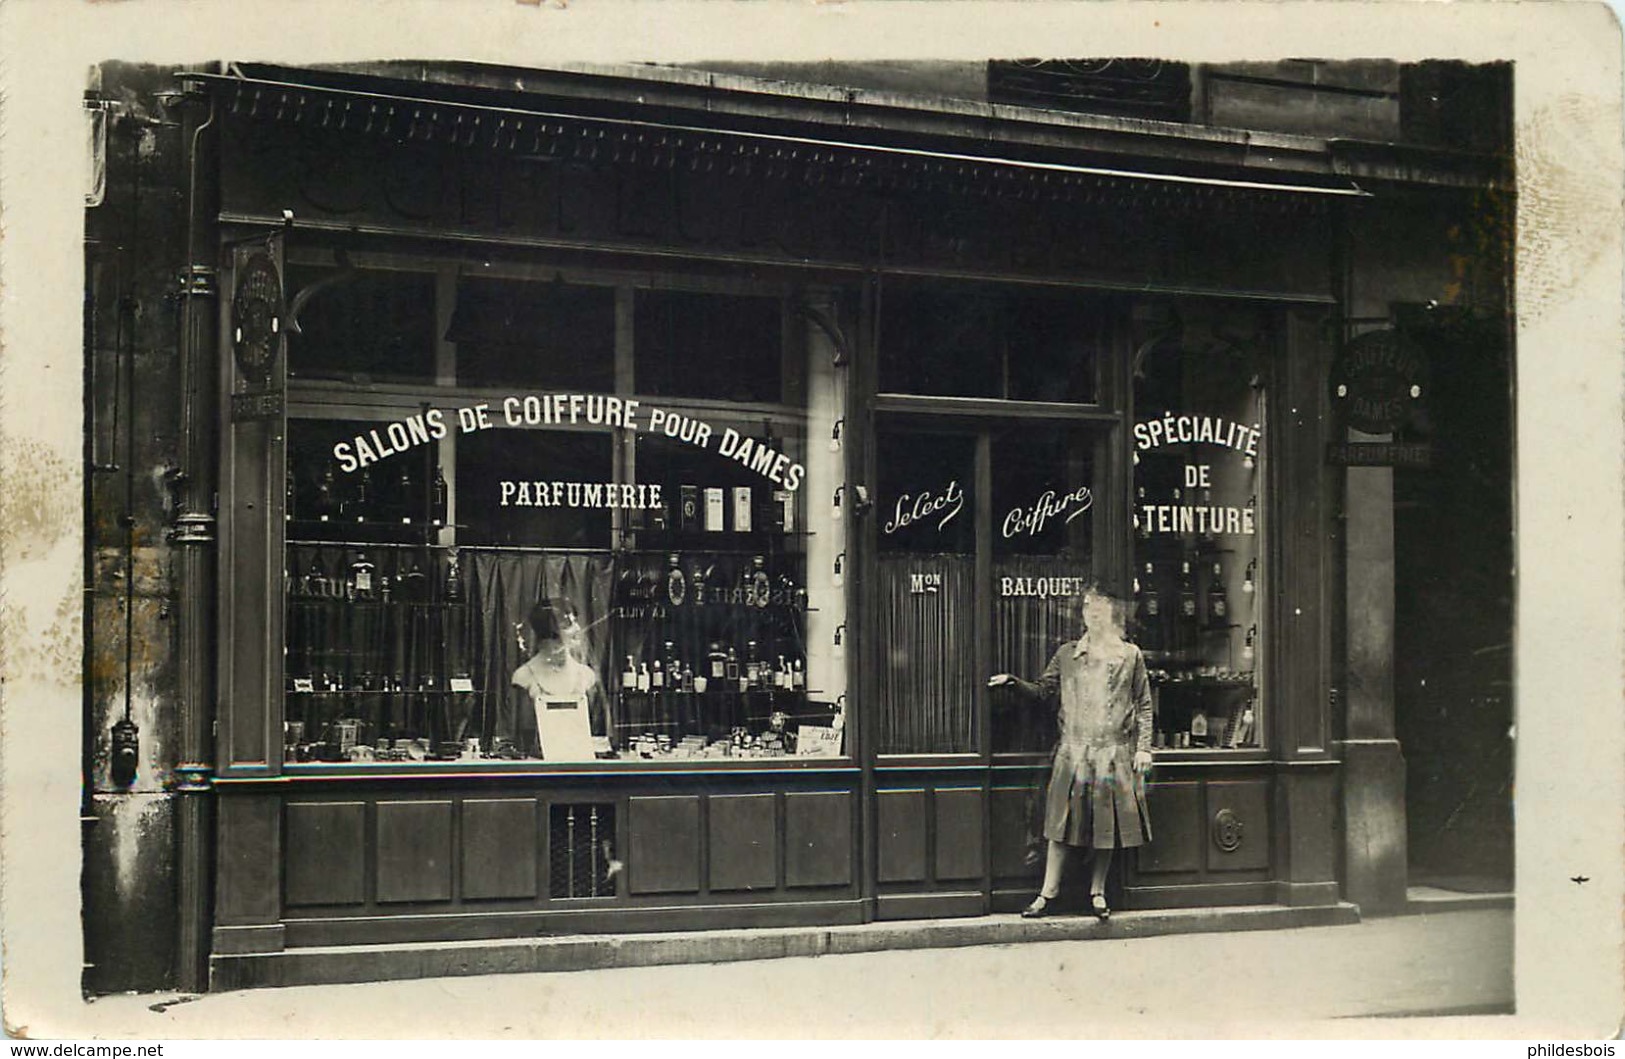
(1009, 519)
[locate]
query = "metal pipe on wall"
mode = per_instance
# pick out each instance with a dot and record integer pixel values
(194, 532)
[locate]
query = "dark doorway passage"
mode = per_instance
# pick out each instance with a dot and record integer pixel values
(1453, 611)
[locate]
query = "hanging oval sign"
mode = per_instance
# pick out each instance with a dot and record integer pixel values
(1378, 380)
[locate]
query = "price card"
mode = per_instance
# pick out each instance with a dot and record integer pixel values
(818, 741)
(304, 684)
(462, 684)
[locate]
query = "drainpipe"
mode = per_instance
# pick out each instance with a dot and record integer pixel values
(193, 533)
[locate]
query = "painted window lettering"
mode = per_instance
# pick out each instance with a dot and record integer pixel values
(912, 507)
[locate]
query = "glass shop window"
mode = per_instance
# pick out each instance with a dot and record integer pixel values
(712, 346)
(1200, 443)
(524, 333)
(1044, 513)
(361, 326)
(963, 340)
(582, 566)
(926, 587)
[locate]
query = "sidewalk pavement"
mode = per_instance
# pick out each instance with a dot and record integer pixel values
(1193, 985)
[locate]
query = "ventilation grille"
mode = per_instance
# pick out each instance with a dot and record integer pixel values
(581, 850)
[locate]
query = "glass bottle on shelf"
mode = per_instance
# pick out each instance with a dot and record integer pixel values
(657, 696)
(732, 670)
(356, 504)
(761, 587)
(697, 578)
(676, 583)
(326, 501)
(316, 579)
(404, 494)
(409, 580)
(1187, 592)
(359, 584)
(1199, 727)
(1150, 609)
(1142, 518)
(753, 666)
(438, 495)
(454, 578)
(718, 661)
(798, 677)
(1218, 601)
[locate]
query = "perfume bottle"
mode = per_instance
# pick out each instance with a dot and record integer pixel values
(761, 587)
(359, 584)
(1218, 601)
(1187, 592)
(454, 580)
(438, 498)
(676, 583)
(327, 496)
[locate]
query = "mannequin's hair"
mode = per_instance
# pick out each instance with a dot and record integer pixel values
(544, 621)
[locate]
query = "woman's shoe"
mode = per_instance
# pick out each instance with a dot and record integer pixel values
(1036, 910)
(1097, 905)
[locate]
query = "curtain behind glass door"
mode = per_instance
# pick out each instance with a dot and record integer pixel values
(926, 594)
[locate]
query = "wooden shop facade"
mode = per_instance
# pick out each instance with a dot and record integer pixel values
(807, 410)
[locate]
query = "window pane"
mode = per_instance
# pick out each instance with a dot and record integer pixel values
(1043, 533)
(926, 587)
(1055, 345)
(1199, 447)
(518, 333)
(362, 326)
(716, 346)
(942, 341)
(964, 340)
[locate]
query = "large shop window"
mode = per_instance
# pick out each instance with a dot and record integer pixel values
(1199, 446)
(563, 521)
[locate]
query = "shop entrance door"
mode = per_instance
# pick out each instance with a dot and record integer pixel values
(1453, 613)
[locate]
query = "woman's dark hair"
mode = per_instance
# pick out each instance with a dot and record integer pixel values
(544, 621)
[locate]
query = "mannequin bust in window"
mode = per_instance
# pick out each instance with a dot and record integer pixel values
(563, 690)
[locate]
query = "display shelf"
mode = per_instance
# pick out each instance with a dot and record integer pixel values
(295, 693)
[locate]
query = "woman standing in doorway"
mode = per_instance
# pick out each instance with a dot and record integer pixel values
(1096, 797)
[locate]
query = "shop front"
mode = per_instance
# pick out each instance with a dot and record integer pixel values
(621, 513)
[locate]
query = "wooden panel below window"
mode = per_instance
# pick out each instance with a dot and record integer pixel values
(1238, 817)
(1015, 824)
(326, 853)
(959, 832)
(499, 847)
(818, 839)
(901, 835)
(1177, 828)
(663, 837)
(414, 851)
(250, 834)
(744, 841)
